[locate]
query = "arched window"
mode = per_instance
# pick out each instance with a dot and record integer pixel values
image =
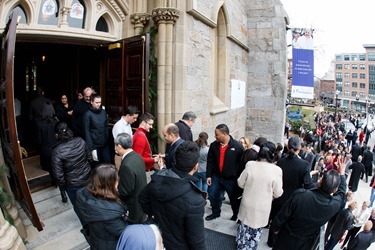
(221, 57)
(76, 18)
(102, 25)
(48, 12)
(21, 13)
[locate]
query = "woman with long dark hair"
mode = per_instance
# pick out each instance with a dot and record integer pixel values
(101, 211)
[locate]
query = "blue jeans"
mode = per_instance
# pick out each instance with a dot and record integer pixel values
(219, 184)
(72, 194)
(201, 184)
(372, 196)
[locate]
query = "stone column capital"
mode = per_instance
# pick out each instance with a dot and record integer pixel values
(165, 14)
(139, 19)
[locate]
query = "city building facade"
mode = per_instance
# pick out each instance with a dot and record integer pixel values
(355, 79)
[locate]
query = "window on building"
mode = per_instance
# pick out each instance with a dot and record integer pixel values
(362, 85)
(371, 56)
(347, 84)
(354, 57)
(339, 84)
(347, 75)
(354, 75)
(346, 93)
(21, 13)
(362, 57)
(354, 93)
(338, 57)
(338, 76)
(362, 76)
(346, 66)
(354, 85)
(346, 58)
(362, 95)
(338, 66)
(48, 12)
(354, 66)
(362, 67)
(76, 17)
(102, 25)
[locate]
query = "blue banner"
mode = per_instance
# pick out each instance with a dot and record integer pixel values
(303, 64)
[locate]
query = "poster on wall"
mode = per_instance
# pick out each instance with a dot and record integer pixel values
(238, 94)
(303, 63)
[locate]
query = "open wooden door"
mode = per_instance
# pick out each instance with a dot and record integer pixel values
(8, 131)
(127, 69)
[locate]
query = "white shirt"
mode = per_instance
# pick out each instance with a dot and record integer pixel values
(121, 127)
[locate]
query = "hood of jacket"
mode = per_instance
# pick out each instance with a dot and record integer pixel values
(169, 184)
(93, 209)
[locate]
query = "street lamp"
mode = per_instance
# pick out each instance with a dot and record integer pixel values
(337, 96)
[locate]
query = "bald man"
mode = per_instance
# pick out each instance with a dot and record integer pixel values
(172, 137)
(363, 239)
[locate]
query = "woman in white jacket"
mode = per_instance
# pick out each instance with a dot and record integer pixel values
(262, 182)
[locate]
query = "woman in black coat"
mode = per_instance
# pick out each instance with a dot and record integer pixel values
(70, 162)
(99, 208)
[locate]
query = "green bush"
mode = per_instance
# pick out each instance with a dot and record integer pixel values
(296, 125)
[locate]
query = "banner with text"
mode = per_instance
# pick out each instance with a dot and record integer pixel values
(303, 64)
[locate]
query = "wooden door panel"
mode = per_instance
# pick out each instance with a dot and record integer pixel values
(8, 134)
(127, 75)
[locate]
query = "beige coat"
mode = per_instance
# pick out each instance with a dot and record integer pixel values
(261, 181)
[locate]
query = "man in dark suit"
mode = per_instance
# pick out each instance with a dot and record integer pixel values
(367, 161)
(79, 110)
(132, 175)
(172, 137)
(358, 169)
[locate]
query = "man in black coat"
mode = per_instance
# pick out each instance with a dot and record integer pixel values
(356, 151)
(95, 128)
(358, 169)
(299, 221)
(223, 170)
(367, 161)
(363, 240)
(79, 110)
(173, 140)
(184, 125)
(175, 203)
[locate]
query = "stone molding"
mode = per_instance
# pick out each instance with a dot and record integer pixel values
(139, 19)
(165, 14)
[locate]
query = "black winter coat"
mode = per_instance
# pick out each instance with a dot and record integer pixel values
(184, 131)
(95, 127)
(70, 163)
(77, 120)
(301, 217)
(232, 160)
(106, 219)
(344, 221)
(178, 208)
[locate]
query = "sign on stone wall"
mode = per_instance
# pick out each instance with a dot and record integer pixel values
(238, 94)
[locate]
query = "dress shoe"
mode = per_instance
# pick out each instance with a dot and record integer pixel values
(64, 199)
(234, 217)
(212, 216)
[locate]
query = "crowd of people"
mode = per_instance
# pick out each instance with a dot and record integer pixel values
(294, 189)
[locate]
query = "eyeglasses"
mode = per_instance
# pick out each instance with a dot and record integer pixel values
(151, 124)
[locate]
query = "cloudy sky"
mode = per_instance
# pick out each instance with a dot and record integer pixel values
(339, 26)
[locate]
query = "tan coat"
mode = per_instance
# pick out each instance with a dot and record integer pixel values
(261, 181)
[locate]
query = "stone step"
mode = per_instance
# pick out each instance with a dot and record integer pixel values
(62, 226)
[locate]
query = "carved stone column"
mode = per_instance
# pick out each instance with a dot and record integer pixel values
(165, 18)
(64, 16)
(9, 238)
(139, 20)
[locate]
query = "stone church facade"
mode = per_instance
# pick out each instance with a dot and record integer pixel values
(203, 48)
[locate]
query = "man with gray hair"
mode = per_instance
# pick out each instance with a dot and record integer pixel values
(184, 125)
(132, 175)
